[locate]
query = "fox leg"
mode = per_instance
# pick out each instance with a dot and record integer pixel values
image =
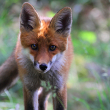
(8, 73)
(43, 99)
(60, 100)
(30, 99)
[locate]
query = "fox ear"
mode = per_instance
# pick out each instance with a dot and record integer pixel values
(62, 21)
(29, 18)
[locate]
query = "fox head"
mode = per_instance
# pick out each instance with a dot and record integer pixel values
(44, 38)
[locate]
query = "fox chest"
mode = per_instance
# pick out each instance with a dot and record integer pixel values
(49, 80)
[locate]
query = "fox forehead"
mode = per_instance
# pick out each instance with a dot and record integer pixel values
(43, 36)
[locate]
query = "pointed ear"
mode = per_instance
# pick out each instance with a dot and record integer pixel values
(62, 21)
(29, 18)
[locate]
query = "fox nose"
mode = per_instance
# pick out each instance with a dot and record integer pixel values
(43, 67)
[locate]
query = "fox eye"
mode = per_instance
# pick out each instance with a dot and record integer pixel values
(34, 47)
(52, 47)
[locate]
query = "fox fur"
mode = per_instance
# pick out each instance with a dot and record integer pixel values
(42, 57)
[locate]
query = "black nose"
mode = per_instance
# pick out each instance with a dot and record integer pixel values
(43, 67)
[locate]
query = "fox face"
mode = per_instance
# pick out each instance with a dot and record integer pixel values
(45, 39)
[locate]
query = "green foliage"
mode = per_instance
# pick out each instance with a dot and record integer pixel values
(46, 85)
(82, 1)
(50, 14)
(54, 95)
(8, 34)
(87, 36)
(5, 8)
(84, 43)
(82, 101)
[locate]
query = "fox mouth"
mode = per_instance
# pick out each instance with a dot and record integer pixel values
(45, 67)
(42, 68)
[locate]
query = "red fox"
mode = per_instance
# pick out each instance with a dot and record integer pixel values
(42, 57)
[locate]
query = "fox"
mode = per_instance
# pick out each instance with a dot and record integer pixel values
(42, 57)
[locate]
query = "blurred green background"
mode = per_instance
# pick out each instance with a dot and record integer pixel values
(89, 78)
